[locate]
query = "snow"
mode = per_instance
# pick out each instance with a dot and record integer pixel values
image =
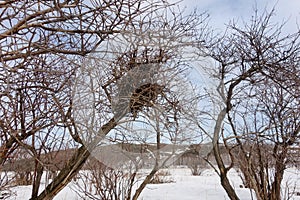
(206, 186)
(184, 186)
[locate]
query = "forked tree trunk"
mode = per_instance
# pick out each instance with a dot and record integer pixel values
(223, 175)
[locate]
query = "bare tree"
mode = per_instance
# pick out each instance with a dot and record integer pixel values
(138, 79)
(258, 69)
(43, 44)
(276, 118)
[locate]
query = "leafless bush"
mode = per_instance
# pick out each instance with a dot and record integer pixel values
(197, 167)
(161, 176)
(23, 178)
(100, 182)
(192, 158)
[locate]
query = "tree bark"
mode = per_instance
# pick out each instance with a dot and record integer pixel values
(279, 171)
(156, 166)
(74, 165)
(223, 170)
(37, 178)
(145, 182)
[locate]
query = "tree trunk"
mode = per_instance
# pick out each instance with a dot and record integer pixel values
(279, 171)
(74, 165)
(156, 166)
(227, 186)
(37, 179)
(145, 182)
(223, 171)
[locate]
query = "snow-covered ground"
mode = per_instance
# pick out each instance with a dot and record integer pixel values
(184, 186)
(187, 187)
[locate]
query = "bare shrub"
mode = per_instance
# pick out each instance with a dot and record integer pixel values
(101, 182)
(196, 168)
(23, 178)
(193, 160)
(162, 176)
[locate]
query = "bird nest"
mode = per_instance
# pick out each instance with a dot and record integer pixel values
(144, 96)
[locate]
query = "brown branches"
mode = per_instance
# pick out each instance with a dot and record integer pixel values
(261, 98)
(47, 46)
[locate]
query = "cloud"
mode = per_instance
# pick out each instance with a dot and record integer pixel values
(222, 11)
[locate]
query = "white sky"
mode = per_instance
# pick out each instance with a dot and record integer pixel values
(222, 11)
